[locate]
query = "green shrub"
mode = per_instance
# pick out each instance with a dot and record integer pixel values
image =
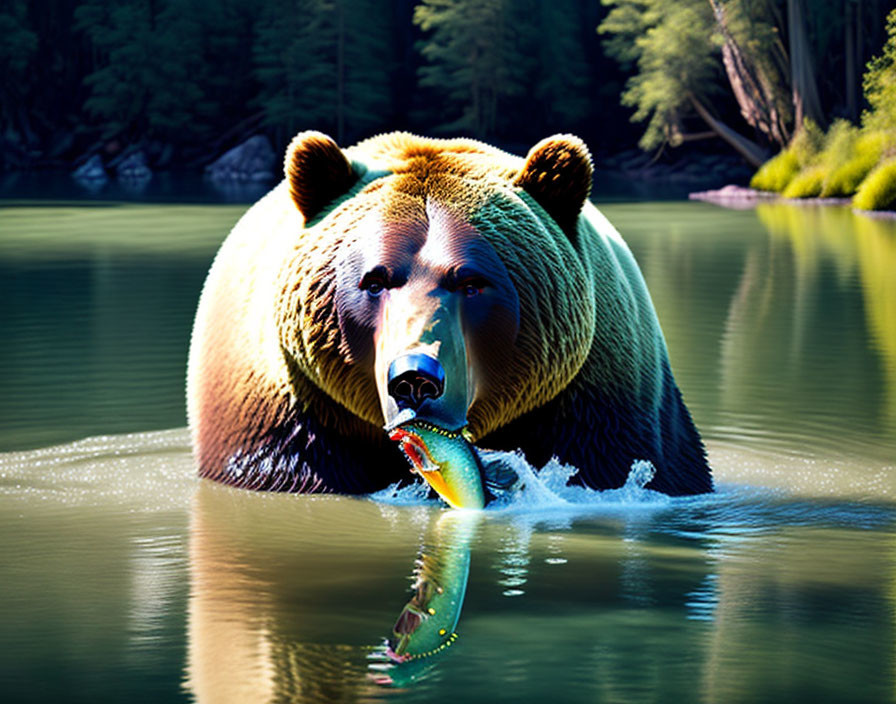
(776, 173)
(852, 158)
(839, 142)
(781, 169)
(807, 143)
(878, 190)
(807, 183)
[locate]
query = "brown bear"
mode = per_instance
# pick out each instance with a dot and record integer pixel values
(427, 297)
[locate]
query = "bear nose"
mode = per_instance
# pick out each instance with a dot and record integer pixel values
(414, 378)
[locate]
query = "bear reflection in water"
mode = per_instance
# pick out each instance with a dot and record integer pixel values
(412, 300)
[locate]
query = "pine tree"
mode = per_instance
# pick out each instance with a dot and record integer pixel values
(17, 51)
(227, 74)
(325, 64)
(293, 67)
(478, 56)
(147, 64)
(670, 44)
(563, 84)
(370, 61)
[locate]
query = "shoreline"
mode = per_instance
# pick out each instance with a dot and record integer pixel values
(744, 198)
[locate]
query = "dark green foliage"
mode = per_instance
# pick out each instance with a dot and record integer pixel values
(563, 85)
(494, 61)
(226, 74)
(325, 64)
(81, 76)
(370, 65)
(478, 54)
(19, 41)
(167, 68)
(149, 58)
(294, 66)
(17, 48)
(670, 45)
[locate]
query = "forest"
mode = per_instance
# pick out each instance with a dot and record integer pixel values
(187, 79)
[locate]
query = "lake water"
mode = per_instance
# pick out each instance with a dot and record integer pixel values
(124, 578)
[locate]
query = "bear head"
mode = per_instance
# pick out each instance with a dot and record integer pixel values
(436, 289)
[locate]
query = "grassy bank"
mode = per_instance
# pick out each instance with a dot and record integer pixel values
(846, 162)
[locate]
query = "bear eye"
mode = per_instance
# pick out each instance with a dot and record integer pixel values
(374, 282)
(472, 286)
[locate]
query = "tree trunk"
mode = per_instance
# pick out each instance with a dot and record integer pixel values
(849, 35)
(876, 36)
(749, 150)
(340, 73)
(697, 136)
(806, 103)
(752, 89)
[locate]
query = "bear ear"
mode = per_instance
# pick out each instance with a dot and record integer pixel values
(557, 174)
(317, 172)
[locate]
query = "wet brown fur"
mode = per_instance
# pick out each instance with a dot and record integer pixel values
(281, 396)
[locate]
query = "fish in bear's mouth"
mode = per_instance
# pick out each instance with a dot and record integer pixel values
(444, 458)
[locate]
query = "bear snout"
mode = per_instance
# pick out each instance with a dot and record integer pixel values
(412, 378)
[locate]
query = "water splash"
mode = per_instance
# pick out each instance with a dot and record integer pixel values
(733, 511)
(517, 486)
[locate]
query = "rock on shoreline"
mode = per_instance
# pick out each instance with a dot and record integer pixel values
(252, 161)
(735, 197)
(91, 170)
(742, 198)
(133, 167)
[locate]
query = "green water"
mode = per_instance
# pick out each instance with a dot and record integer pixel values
(123, 578)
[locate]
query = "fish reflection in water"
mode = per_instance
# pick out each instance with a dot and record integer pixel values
(426, 626)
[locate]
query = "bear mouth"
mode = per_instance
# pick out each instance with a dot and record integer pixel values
(415, 450)
(444, 458)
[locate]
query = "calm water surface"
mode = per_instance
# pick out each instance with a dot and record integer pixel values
(123, 578)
